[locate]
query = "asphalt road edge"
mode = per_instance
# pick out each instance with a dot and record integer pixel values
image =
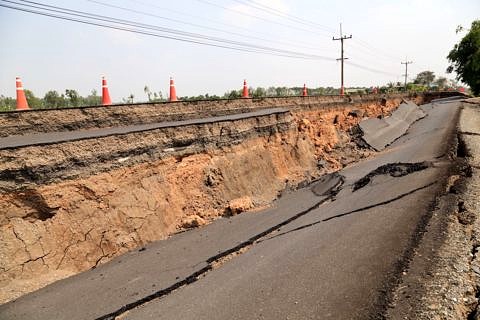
(442, 281)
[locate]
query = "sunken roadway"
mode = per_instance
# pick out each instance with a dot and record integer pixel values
(334, 249)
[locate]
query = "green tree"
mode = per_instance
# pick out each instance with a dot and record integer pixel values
(53, 99)
(318, 91)
(33, 102)
(7, 103)
(259, 92)
(425, 78)
(296, 91)
(441, 82)
(212, 97)
(465, 58)
(234, 94)
(271, 92)
(93, 99)
(74, 98)
(391, 86)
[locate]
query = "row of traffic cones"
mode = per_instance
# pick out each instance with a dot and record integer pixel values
(22, 103)
(173, 92)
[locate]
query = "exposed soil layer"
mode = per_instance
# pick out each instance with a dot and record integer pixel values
(333, 132)
(31, 166)
(68, 207)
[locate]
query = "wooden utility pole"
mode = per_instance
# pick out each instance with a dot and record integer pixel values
(406, 63)
(342, 58)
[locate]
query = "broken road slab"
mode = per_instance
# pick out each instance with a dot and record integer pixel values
(378, 133)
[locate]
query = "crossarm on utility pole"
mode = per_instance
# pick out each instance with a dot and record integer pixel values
(342, 58)
(406, 63)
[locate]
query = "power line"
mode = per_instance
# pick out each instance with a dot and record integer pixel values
(359, 55)
(363, 45)
(304, 44)
(193, 24)
(376, 51)
(258, 6)
(162, 32)
(258, 18)
(368, 62)
(342, 58)
(367, 48)
(185, 36)
(371, 53)
(276, 12)
(270, 10)
(116, 27)
(370, 69)
(143, 32)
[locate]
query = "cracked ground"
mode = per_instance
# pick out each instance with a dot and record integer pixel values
(335, 254)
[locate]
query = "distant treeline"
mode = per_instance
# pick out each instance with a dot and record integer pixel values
(53, 99)
(71, 98)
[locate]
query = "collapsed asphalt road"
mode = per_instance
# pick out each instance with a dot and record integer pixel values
(321, 252)
(36, 139)
(378, 133)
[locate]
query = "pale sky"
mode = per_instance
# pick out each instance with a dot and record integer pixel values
(48, 53)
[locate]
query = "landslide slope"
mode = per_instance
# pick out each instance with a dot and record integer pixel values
(68, 207)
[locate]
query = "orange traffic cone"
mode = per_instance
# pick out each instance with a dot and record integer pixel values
(173, 92)
(245, 89)
(304, 92)
(22, 103)
(106, 101)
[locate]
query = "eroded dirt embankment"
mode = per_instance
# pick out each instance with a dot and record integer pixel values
(70, 206)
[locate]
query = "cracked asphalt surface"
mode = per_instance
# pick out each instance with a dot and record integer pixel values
(58, 137)
(333, 254)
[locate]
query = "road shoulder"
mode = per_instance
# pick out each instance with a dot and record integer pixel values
(443, 278)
